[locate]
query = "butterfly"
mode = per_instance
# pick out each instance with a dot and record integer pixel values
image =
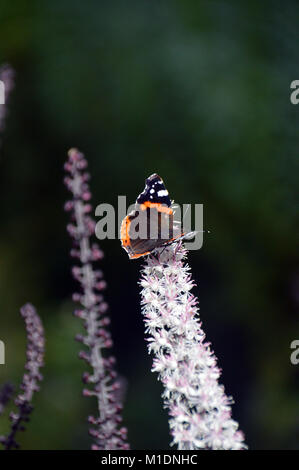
(151, 224)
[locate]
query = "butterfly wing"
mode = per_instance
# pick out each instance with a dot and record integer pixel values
(154, 192)
(153, 216)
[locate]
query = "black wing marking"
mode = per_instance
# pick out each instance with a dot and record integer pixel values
(154, 191)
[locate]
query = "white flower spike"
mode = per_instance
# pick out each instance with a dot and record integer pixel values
(200, 411)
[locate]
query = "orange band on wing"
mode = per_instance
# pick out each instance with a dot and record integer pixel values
(139, 255)
(124, 231)
(160, 207)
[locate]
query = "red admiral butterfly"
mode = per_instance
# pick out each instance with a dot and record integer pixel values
(153, 214)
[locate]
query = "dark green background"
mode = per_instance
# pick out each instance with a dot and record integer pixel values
(198, 91)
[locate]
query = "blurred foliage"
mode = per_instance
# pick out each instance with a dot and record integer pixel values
(197, 91)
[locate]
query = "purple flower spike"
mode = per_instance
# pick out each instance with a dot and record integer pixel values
(35, 360)
(107, 432)
(200, 412)
(6, 392)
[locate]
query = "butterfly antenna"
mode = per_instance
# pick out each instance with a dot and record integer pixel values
(185, 213)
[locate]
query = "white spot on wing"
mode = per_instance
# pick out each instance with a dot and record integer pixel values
(162, 193)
